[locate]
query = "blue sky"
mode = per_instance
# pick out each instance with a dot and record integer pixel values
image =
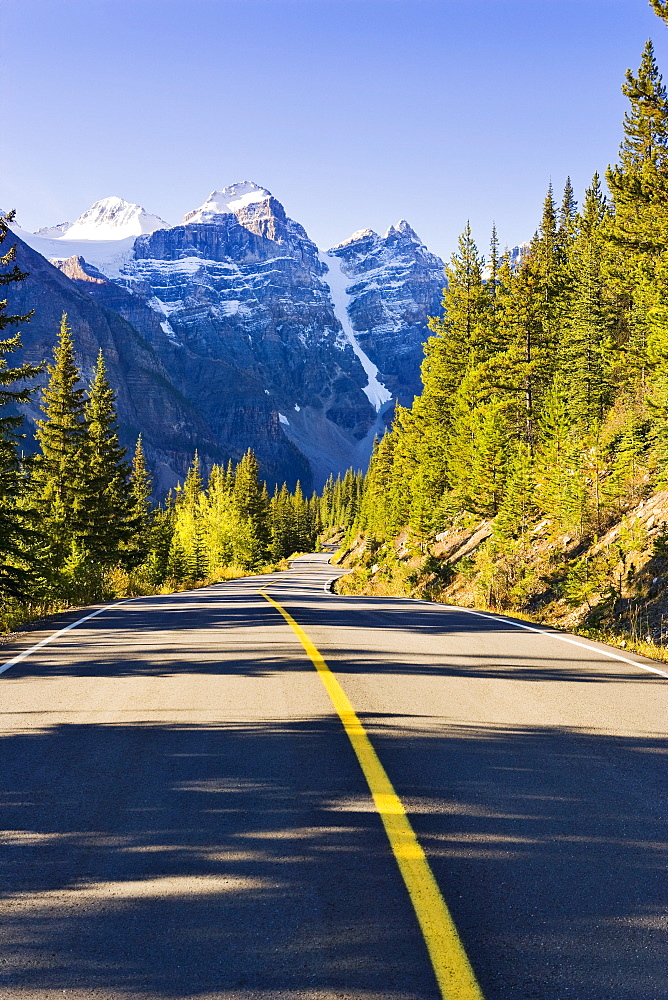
(353, 113)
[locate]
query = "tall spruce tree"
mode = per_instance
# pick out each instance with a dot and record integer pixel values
(569, 207)
(641, 176)
(280, 517)
(60, 481)
(585, 349)
(460, 339)
(636, 267)
(141, 489)
(105, 518)
(17, 533)
(252, 509)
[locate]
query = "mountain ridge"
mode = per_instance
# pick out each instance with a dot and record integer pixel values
(297, 352)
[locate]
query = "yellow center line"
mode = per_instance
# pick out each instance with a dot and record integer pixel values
(452, 968)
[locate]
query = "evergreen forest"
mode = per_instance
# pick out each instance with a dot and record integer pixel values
(542, 428)
(516, 480)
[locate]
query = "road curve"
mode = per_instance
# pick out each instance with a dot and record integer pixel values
(184, 815)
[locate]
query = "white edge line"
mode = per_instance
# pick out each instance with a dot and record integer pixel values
(554, 635)
(327, 588)
(529, 628)
(26, 652)
(142, 597)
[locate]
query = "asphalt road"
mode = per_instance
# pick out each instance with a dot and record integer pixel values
(184, 815)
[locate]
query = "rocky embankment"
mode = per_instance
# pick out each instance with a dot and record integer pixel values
(613, 587)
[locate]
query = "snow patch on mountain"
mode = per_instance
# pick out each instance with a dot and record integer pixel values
(359, 234)
(158, 306)
(515, 255)
(104, 235)
(108, 256)
(54, 232)
(228, 201)
(338, 282)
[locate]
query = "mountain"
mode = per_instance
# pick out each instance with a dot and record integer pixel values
(112, 219)
(248, 323)
(276, 345)
(148, 401)
(230, 200)
(392, 284)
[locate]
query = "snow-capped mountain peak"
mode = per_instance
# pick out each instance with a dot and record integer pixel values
(402, 228)
(228, 201)
(405, 229)
(359, 234)
(113, 219)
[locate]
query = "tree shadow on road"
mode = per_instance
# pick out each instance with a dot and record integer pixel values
(245, 859)
(191, 634)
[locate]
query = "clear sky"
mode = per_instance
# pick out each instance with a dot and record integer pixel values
(354, 113)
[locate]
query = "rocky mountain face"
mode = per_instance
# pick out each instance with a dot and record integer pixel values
(394, 284)
(265, 341)
(148, 401)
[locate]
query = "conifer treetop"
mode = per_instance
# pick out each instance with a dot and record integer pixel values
(9, 345)
(660, 8)
(640, 175)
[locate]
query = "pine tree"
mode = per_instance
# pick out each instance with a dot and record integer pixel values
(460, 333)
(141, 515)
(626, 480)
(518, 507)
(374, 516)
(189, 511)
(193, 484)
(157, 564)
(560, 486)
(463, 338)
(492, 287)
(103, 510)
(178, 567)
(281, 523)
(251, 506)
(142, 484)
(568, 209)
(221, 518)
(198, 562)
(641, 176)
(59, 476)
(637, 266)
(422, 512)
(585, 350)
(531, 306)
(17, 532)
(489, 460)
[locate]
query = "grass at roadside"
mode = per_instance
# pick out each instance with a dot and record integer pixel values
(391, 578)
(15, 616)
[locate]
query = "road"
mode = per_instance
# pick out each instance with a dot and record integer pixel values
(185, 816)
